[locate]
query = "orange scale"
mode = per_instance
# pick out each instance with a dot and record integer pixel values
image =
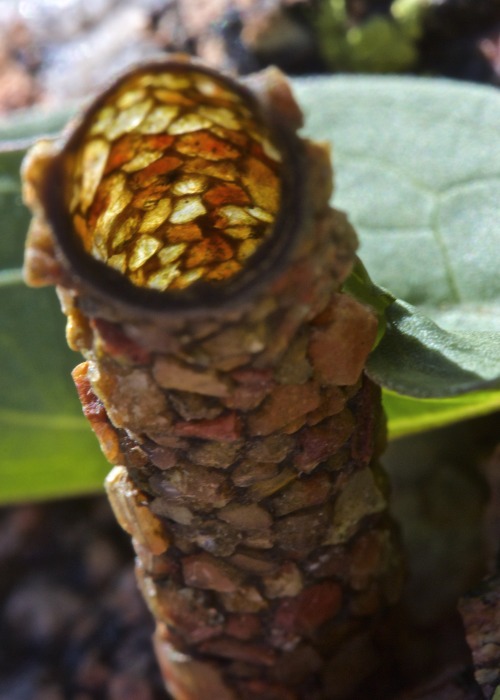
(238, 138)
(210, 250)
(156, 142)
(122, 151)
(204, 144)
(223, 271)
(127, 147)
(147, 197)
(180, 233)
(226, 194)
(255, 149)
(172, 97)
(159, 167)
(221, 170)
(98, 206)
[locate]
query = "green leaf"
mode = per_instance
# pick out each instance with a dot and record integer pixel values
(16, 133)
(418, 170)
(418, 358)
(47, 447)
(407, 415)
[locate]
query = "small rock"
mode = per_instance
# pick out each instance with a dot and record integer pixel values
(293, 667)
(246, 599)
(287, 403)
(216, 537)
(163, 457)
(294, 367)
(303, 493)
(111, 340)
(246, 517)
(250, 472)
(124, 393)
(230, 648)
(319, 442)
(226, 428)
(172, 374)
(273, 448)
(193, 487)
(243, 626)
(298, 534)
(208, 572)
(306, 612)
(234, 342)
(188, 678)
(285, 582)
(177, 513)
(254, 563)
(359, 498)
(330, 563)
(194, 406)
(258, 539)
(333, 402)
(251, 388)
(338, 350)
(265, 488)
(219, 455)
(187, 610)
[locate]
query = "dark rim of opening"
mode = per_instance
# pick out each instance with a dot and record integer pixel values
(266, 263)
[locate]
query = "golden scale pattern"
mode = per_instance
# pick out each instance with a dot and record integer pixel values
(175, 181)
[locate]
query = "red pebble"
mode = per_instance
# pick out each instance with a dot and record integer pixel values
(115, 343)
(225, 428)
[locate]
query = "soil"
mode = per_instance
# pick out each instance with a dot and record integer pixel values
(72, 623)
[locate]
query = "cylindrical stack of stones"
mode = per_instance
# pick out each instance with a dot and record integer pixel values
(245, 441)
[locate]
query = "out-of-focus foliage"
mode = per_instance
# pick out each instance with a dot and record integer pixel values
(379, 43)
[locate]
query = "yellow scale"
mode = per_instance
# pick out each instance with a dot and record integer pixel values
(175, 180)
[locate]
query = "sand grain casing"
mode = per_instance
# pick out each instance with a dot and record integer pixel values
(245, 439)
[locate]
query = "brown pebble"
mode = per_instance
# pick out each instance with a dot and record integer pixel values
(306, 612)
(246, 517)
(285, 582)
(359, 498)
(308, 491)
(249, 472)
(226, 428)
(230, 648)
(286, 404)
(319, 442)
(206, 571)
(246, 599)
(172, 374)
(243, 626)
(338, 350)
